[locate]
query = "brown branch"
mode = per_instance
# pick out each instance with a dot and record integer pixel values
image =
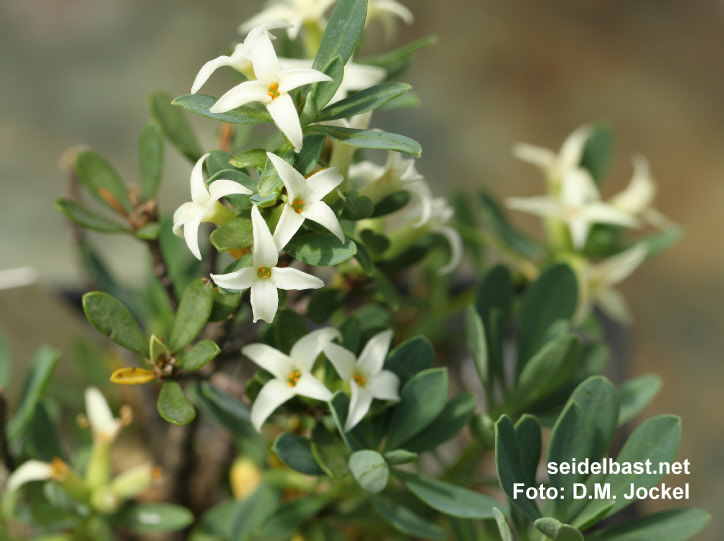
(8, 459)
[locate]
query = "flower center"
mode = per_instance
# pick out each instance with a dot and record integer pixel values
(298, 205)
(274, 90)
(59, 469)
(359, 380)
(294, 378)
(264, 272)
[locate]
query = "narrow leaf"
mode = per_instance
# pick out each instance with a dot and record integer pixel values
(200, 104)
(371, 139)
(174, 125)
(150, 152)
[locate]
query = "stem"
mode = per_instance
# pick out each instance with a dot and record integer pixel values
(160, 270)
(8, 459)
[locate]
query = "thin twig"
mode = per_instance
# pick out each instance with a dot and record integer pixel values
(8, 459)
(160, 270)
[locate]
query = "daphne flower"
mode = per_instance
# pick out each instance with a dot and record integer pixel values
(365, 376)
(271, 88)
(597, 283)
(32, 470)
(440, 215)
(204, 206)
(264, 277)
(304, 200)
(556, 166)
(387, 11)
(579, 205)
(240, 59)
(104, 426)
(637, 198)
(296, 12)
(292, 373)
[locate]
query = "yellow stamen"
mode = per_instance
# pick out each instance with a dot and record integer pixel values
(359, 380)
(294, 378)
(298, 205)
(274, 91)
(264, 272)
(60, 469)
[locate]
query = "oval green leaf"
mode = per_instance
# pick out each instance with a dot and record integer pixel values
(192, 314)
(109, 316)
(174, 406)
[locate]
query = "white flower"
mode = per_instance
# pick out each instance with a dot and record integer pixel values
(579, 205)
(387, 11)
(104, 426)
(32, 470)
(271, 88)
(304, 200)
(204, 205)
(438, 222)
(365, 376)
(398, 174)
(598, 280)
(296, 12)
(637, 198)
(292, 373)
(264, 277)
(240, 59)
(556, 166)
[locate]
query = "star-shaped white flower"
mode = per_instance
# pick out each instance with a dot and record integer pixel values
(579, 205)
(292, 373)
(366, 378)
(204, 205)
(104, 426)
(637, 198)
(240, 59)
(304, 200)
(597, 283)
(388, 11)
(556, 166)
(264, 277)
(296, 12)
(271, 88)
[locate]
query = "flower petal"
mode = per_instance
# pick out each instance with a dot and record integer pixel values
(321, 183)
(191, 231)
(541, 205)
(311, 387)
(578, 188)
(199, 193)
(421, 192)
(391, 7)
(373, 355)
(288, 278)
(270, 359)
(179, 218)
(99, 414)
(296, 77)
(343, 360)
(359, 405)
(274, 14)
(264, 59)
(264, 300)
(221, 188)
(640, 192)
(32, 470)
(320, 212)
(456, 248)
(306, 350)
(541, 157)
(385, 385)
(237, 280)
(571, 151)
(617, 268)
(241, 94)
(614, 305)
(207, 69)
(271, 396)
(578, 227)
(289, 223)
(264, 252)
(293, 180)
(604, 213)
(286, 118)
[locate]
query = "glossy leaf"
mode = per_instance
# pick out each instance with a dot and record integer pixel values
(200, 104)
(174, 125)
(254, 157)
(391, 203)
(342, 33)
(224, 305)
(323, 92)
(102, 181)
(361, 102)
(296, 452)
(308, 157)
(150, 152)
(90, 219)
(192, 314)
(113, 319)
(199, 355)
(322, 249)
(371, 139)
(634, 395)
(369, 470)
(174, 406)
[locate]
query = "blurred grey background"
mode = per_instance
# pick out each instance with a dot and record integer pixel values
(77, 72)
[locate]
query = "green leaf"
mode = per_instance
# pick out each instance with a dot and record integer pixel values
(323, 303)
(43, 436)
(6, 364)
(376, 242)
(151, 518)
(227, 410)
(291, 516)
(363, 101)
(405, 521)
(503, 528)
(357, 207)
(296, 452)
(396, 61)
(113, 319)
(499, 225)
(342, 33)
(422, 399)
(475, 335)
(289, 327)
(452, 419)
(369, 470)
(447, 498)
(150, 153)
(371, 139)
(42, 366)
(173, 405)
(192, 314)
(224, 305)
(400, 456)
(553, 296)
(339, 406)
(636, 394)
(672, 525)
(102, 181)
(598, 399)
(410, 357)
(254, 157)
(90, 219)
(174, 125)
(391, 203)
(200, 104)
(149, 231)
(323, 92)
(253, 512)
(658, 242)
(556, 530)
(199, 355)
(514, 452)
(323, 249)
(312, 148)
(496, 291)
(237, 233)
(597, 152)
(329, 452)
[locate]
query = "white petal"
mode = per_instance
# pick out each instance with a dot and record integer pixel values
(607, 214)
(385, 385)
(373, 355)
(286, 118)
(311, 387)
(221, 188)
(321, 183)
(270, 359)
(456, 248)
(615, 306)
(191, 232)
(617, 268)
(293, 180)
(306, 350)
(289, 223)
(241, 94)
(366, 171)
(271, 396)
(264, 300)
(542, 205)
(571, 151)
(210, 67)
(296, 77)
(320, 212)
(273, 14)
(421, 192)
(640, 192)
(541, 157)
(391, 7)
(288, 278)
(99, 414)
(343, 360)
(237, 280)
(199, 193)
(264, 59)
(578, 226)
(578, 188)
(264, 28)
(32, 470)
(295, 63)
(179, 218)
(264, 252)
(359, 405)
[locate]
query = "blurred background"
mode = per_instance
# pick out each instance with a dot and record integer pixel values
(76, 72)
